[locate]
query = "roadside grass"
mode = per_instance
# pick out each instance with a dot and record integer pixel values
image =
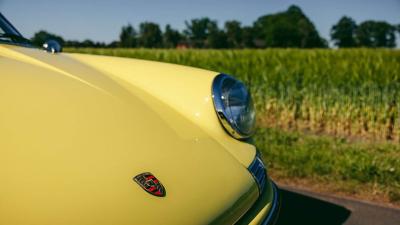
(354, 168)
(329, 119)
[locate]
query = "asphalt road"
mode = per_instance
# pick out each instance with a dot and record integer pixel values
(304, 207)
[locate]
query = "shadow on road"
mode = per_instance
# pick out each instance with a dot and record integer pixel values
(301, 209)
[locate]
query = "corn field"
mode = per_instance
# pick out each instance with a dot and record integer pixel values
(352, 94)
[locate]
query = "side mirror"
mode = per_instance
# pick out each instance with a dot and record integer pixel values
(52, 46)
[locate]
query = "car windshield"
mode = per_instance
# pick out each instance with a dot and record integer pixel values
(8, 33)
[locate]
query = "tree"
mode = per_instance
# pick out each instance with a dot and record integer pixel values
(150, 35)
(40, 37)
(248, 36)
(127, 37)
(288, 29)
(398, 29)
(216, 38)
(204, 33)
(87, 43)
(113, 44)
(197, 31)
(171, 37)
(343, 33)
(233, 34)
(376, 34)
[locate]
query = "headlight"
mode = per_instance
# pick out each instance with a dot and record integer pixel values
(234, 106)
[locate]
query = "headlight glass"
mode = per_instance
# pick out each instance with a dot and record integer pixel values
(234, 106)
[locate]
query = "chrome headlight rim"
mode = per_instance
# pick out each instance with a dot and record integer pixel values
(221, 110)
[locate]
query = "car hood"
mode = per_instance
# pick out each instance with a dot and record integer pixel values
(75, 129)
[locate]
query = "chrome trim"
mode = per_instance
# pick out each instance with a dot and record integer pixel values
(228, 125)
(259, 172)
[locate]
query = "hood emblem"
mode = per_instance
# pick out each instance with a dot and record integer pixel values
(150, 184)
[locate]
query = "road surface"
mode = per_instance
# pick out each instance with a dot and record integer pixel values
(304, 207)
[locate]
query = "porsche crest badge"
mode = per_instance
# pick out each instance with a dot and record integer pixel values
(150, 184)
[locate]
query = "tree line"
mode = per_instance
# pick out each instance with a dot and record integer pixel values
(288, 29)
(348, 34)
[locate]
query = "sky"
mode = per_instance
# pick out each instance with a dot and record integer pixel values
(102, 20)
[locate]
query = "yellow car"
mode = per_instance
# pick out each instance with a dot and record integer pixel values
(104, 140)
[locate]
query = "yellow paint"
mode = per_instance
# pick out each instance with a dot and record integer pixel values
(75, 129)
(260, 208)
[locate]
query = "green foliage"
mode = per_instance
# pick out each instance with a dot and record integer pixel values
(40, 37)
(343, 33)
(332, 160)
(88, 44)
(171, 37)
(306, 155)
(288, 29)
(234, 34)
(217, 38)
(248, 37)
(198, 30)
(150, 35)
(127, 37)
(376, 34)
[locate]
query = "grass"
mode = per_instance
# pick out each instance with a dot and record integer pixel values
(325, 116)
(357, 167)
